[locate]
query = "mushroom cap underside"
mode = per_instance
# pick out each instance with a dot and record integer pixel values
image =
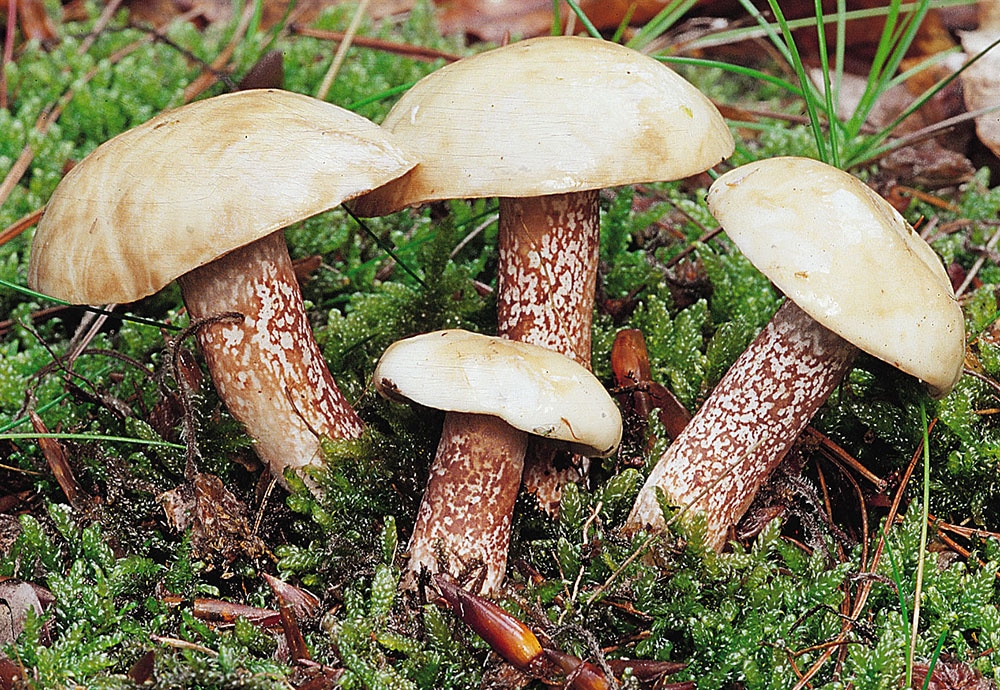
(548, 115)
(196, 182)
(532, 388)
(848, 259)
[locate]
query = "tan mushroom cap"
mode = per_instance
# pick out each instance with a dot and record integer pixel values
(194, 183)
(849, 260)
(549, 116)
(532, 388)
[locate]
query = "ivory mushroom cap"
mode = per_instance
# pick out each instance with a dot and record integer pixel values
(201, 194)
(549, 115)
(856, 276)
(194, 183)
(544, 125)
(847, 259)
(530, 387)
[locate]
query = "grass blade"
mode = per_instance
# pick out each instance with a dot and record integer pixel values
(582, 16)
(661, 23)
(828, 91)
(735, 69)
(97, 310)
(809, 95)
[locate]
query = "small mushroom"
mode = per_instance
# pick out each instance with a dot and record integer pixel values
(201, 194)
(544, 124)
(497, 392)
(855, 275)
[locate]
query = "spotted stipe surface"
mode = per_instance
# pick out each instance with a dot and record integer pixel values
(747, 425)
(463, 523)
(268, 368)
(548, 256)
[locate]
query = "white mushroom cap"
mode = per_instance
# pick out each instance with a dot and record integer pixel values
(545, 116)
(849, 260)
(194, 183)
(530, 387)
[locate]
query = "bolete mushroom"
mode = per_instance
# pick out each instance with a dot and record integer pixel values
(496, 393)
(201, 194)
(855, 275)
(544, 124)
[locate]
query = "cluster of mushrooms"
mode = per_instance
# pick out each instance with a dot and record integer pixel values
(542, 124)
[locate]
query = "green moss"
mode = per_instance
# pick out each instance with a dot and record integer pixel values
(739, 619)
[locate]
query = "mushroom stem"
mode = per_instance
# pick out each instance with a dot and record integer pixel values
(267, 369)
(547, 275)
(752, 418)
(465, 515)
(548, 252)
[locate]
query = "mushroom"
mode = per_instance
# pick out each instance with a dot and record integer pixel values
(201, 194)
(544, 124)
(496, 393)
(838, 252)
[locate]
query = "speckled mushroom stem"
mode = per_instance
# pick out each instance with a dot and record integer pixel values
(464, 518)
(547, 275)
(746, 426)
(267, 369)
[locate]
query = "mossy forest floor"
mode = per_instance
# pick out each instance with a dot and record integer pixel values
(819, 589)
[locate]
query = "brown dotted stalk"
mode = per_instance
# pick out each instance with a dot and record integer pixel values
(268, 368)
(747, 425)
(547, 275)
(463, 524)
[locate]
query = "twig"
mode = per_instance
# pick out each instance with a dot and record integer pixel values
(413, 52)
(861, 500)
(8, 51)
(490, 220)
(182, 644)
(102, 21)
(47, 118)
(338, 58)
(970, 276)
(843, 456)
(209, 77)
(20, 225)
(865, 588)
(982, 377)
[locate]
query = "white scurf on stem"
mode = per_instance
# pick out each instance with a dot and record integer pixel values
(201, 194)
(267, 368)
(496, 393)
(545, 124)
(836, 249)
(748, 424)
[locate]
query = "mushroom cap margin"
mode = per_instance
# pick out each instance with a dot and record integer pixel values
(532, 388)
(549, 115)
(193, 183)
(849, 260)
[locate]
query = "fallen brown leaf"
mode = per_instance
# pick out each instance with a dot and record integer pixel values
(950, 675)
(17, 598)
(288, 597)
(58, 461)
(216, 518)
(981, 81)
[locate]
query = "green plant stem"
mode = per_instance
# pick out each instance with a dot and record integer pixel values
(745, 33)
(795, 59)
(829, 92)
(658, 25)
(91, 437)
(581, 15)
(735, 69)
(97, 310)
(915, 628)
